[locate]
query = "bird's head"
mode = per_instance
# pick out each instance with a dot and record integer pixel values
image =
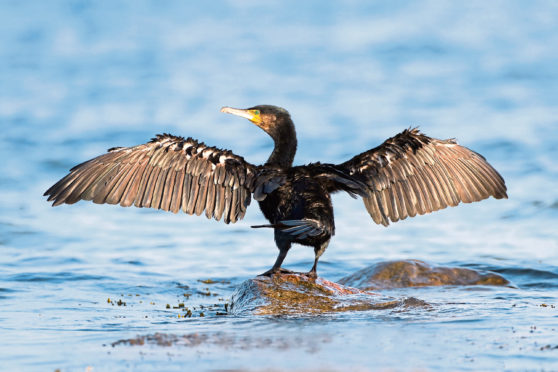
(272, 119)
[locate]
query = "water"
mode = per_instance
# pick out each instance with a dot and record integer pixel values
(78, 77)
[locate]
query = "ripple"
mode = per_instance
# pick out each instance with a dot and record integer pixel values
(46, 260)
(541, 285)
(528, 277)
(3, 291)
(128, 262)
(55, 277)
(527, 272)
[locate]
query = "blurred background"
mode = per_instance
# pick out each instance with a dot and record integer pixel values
(79, 77)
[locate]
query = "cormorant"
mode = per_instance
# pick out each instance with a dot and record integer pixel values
(408, 174)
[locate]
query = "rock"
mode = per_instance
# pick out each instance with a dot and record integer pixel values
(296, 294)
(415, 273)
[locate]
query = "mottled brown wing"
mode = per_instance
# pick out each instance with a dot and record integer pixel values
(169, 173)
(412, 174)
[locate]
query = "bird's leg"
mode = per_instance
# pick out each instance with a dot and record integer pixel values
(318, 251)
(312, 273)
(283, 250)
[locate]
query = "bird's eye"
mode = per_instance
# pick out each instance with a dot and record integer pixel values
(256, 112)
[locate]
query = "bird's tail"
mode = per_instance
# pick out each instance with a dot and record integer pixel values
(300, 229)
(268, 225)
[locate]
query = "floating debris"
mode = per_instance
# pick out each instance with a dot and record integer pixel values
(119, 302)
(206, 292)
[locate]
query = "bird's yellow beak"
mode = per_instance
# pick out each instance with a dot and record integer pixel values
(252, 115)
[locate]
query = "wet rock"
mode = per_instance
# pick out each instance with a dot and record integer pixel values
(415, 273)
(292, 294)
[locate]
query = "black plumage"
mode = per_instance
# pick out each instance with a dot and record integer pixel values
(408, 174)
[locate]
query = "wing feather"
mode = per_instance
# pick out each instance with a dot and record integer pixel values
(186, 192)
(219, 203)
(142, 182)
(168, 189)
(148, 194)
(158, 187)
(202, 197)
(176, 199)
(227, 204)
(235, 205)
(122, 192)
(70, 185)
(210, 200)
(115, 191)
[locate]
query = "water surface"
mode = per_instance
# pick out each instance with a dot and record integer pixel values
(78, 77)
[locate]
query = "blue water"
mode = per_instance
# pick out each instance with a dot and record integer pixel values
(78, 77)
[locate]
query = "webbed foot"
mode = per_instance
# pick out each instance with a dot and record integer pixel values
(311, 274)
(279, 270)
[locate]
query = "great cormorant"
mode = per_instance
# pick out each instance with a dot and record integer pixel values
(408, 174)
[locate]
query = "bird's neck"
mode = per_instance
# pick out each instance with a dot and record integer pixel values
(285, 146)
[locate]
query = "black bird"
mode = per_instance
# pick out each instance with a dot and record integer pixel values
(408, 174)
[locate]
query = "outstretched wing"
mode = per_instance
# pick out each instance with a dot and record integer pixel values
(169, 173)
(412, 174)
